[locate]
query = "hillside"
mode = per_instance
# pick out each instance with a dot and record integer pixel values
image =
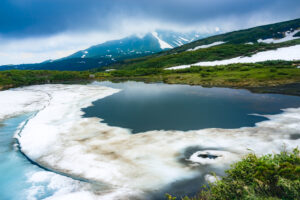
(225, 46)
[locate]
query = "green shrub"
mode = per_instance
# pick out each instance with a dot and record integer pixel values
(282, 73)
(267, 177)
(273, 70)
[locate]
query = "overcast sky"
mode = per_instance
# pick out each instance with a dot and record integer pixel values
(37, 30)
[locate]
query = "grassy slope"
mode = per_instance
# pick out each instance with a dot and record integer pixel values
(248, 35)
(234, 75)
(221, 52)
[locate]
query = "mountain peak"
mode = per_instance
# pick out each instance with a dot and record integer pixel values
(136, 45)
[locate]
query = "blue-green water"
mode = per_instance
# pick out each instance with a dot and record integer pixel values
(15, 169)
(142, 107)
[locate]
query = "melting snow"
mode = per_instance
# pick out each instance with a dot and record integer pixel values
(184, 39)
(288, 36)
(121, 164)
(109, 70)
(206, 46)
(284, 53)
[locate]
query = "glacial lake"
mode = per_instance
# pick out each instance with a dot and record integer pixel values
(143, 107)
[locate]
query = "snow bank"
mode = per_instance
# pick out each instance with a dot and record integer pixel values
(22, 100)
(288, 36)
(284, 53)
(125, 165)
(206, 46)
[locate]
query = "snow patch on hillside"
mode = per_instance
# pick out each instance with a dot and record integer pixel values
(285, 53)
(288, 36)
(163, 44)
(184, 39)
(206, 46)
(84, 54)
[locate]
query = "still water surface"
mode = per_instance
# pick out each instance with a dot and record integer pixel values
(143, 107)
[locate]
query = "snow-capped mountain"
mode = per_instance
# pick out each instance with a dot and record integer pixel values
(176, 39)
(116, 50)
(135, 46)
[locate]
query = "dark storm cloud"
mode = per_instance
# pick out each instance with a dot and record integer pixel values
(21, 18)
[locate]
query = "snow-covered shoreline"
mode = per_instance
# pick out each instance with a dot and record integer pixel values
(128, 164)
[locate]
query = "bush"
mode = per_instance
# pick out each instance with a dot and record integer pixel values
(267, 177)
(282, 73)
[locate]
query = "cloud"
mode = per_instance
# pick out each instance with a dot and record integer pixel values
(44, 28)
(21, 18)
(39, 49)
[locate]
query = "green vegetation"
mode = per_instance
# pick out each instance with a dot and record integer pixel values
(16, 78)
(269, 73)
(267, 177)
(297, 34)
(276, 30)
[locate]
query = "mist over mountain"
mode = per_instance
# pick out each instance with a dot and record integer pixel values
(110, 52)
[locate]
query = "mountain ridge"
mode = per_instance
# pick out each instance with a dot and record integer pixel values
(228, 45)
(109, 52)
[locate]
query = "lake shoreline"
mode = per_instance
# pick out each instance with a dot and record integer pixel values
(112, 150)
(285, 89)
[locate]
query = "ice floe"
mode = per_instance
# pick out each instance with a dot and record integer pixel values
(43, 181)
